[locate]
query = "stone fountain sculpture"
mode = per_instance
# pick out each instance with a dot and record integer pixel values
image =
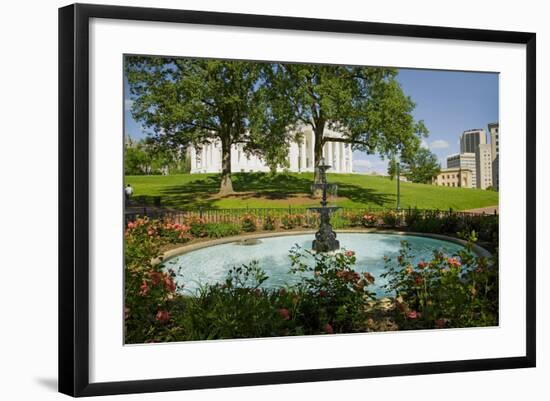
(325, 238)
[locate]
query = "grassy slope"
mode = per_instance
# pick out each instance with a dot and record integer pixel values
(193, 190)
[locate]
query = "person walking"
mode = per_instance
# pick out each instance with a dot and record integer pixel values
(128, 191)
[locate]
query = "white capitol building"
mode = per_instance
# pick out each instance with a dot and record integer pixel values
(339, 155)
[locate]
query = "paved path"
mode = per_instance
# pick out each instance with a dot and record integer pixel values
(486, 210)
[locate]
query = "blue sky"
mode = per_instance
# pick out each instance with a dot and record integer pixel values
(449, 102)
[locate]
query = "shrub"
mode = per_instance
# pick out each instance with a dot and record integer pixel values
(248, 223)
(331, 295)
(310, 220)
(269, 223)
(353, 219)
(288, 222)
(448, 291)
(369, 220)
(219, 230)
(198, 228)
(412, 217)
(429, 221)
(238, 308)
(391, 218)
(174, 232)
(149, 292)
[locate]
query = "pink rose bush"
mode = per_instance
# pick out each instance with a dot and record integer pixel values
(458, 290)
(149, 290)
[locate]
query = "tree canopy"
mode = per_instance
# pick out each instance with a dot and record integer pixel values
(420, 167)
(198, 101)
(366, 104)
(258, 105)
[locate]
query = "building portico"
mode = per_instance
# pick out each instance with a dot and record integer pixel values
(339, 155)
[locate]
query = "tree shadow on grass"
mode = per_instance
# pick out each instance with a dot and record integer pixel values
(193, 194)
(281, 186)
(366, 196)
(278, 183)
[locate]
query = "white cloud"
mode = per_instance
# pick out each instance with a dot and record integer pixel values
(128, 104)
(439, 144)
(362, 163)
(373, 165)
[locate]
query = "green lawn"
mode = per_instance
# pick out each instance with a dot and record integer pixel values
(256, 190)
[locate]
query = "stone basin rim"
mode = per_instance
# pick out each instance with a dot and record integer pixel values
(181, 250)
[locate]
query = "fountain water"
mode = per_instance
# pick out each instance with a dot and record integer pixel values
(325, 238)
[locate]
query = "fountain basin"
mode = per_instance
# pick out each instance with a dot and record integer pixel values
(210, 264)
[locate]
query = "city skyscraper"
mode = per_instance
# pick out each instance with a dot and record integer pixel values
(484, 169)
(471, 139)
(494, 133)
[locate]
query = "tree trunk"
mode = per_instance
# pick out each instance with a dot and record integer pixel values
(226, 185)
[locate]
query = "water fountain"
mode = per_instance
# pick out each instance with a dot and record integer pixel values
(325, 238)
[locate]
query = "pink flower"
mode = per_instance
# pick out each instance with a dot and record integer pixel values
(162, 316)
(131, 224)
(143, 289)
(169, 284)
(349, 254)
(328, 329)
(283, 312)
(454, 262)
(151, 232)
(422, 265)
(323, 293)
(369, 277)
(412, 314)
(156, 277)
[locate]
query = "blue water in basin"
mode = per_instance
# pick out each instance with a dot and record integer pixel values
(210, 265)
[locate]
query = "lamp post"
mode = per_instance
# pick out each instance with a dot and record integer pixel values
(398, 168)
(398, 185)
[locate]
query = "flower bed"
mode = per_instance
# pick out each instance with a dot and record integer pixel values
(329, 297)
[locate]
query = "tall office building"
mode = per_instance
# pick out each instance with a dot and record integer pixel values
(493, 132)
(471, 139)
(464, 161)
(484, 171)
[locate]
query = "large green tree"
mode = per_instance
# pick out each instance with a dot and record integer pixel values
(198, 101)
(366, 104)
(419, 167)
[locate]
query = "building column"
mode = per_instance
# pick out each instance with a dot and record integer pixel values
(193, 158)
(303, 155)
(342, 152)
(329, 159)
(337, 157)
(312, 151)
(203, 158)
(348, 158)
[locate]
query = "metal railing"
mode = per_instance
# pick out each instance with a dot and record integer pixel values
(344, 217)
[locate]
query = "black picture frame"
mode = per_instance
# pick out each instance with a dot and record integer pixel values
(74, 198)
